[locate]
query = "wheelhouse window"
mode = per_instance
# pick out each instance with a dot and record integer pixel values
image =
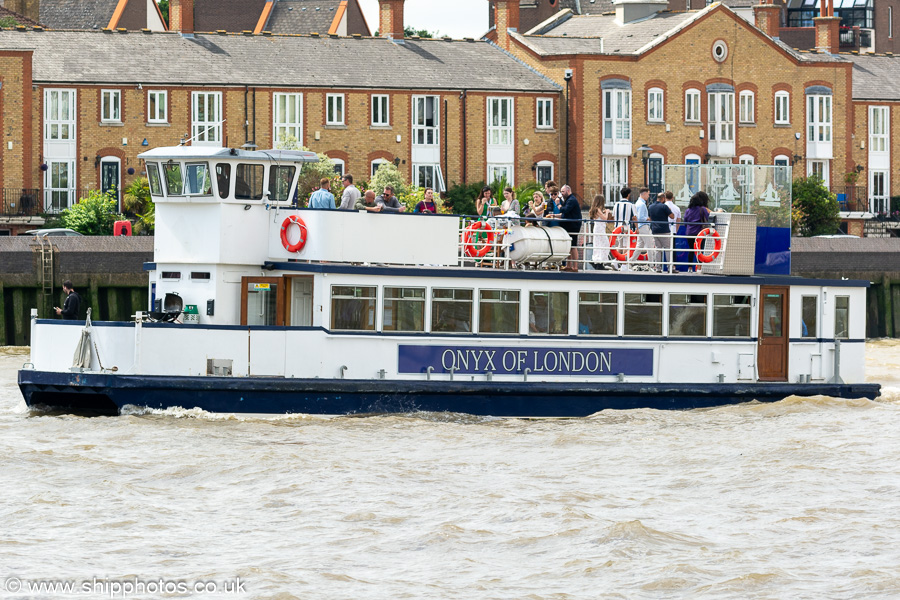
(655, 106)
(731, 316)
(498, 311)
(548, 313)
(353, 308)
(154, 180)
(223, 179)
(782, 108)
(721, 116)
(158, 106)
(334, 109)
(643, 314)
(692, 106)
(617, 114)
(404, 309)
(747, 107)
(280, 180)
(206, 118)
(842, 317)
(174, 181)
(545, 113)
(687, 315)
(451, 310)
(287, 118)
(196, 180)
(598, 313)
(809, 312)
(425, 120)
(381, 110)
(248, 182)
(111, 106)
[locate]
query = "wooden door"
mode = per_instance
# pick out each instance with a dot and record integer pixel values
(772, 357)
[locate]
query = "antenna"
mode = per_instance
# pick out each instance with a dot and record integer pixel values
(190, 139)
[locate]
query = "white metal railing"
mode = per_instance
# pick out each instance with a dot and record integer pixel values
(600, 246)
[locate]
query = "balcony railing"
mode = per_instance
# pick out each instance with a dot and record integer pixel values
(19, 202)
(852, 198)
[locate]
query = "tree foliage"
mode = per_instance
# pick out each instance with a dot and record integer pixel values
(164, 9)
(311, 173)
(422, 33)
(388, 174)
(8, 22)
(815, 209)
(94, 215)
(137, 202)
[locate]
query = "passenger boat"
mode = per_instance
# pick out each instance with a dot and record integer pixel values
(257, 306)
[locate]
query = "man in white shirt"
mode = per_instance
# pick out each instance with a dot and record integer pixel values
(623, 215)
(350, 195)
(674, 220)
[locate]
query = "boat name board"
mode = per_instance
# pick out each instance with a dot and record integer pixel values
(513, 361)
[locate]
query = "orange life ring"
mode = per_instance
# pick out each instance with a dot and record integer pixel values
(470, 246)
(285, 225)
(614, 237)
(698, 245)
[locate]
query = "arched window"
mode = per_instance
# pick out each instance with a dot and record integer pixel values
(339, 165)
(377, 163)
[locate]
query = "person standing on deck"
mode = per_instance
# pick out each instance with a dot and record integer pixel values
(642, 217)
(322, 197)
(351, 193)
(71, 306)
(659, 225)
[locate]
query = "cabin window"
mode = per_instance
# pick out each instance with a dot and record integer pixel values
(687, 315)
(353, 308)
(404, 309)
(223, 179)
(174, 183)
(200, 276)
(248, 183)
(548, 313)
(842, 317)
(153, 179)
(809, 306)
(171, 275)
(280, 180)
(196, 180)
(451, 310)
(643, 314)
(498, 311)
(262, 303)
(598, 313)
(731, 316)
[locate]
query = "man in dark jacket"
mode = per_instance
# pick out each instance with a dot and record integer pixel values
(70, 308)
(570, 220)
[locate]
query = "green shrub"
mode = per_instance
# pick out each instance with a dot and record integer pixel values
(461, 197)
(137, 203)
(94, 215)
(388, 174)
(312, 173)
(816, 209)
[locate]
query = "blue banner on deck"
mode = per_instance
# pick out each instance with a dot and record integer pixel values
(508, 361)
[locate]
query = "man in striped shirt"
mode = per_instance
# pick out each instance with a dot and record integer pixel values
(623, 214)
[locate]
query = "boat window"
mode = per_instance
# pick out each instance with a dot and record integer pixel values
(223, 179)
(171, 275)
(196, 180)
(352, 307)
(248, 182)
(809, 306)
(548, 313)
(404, 309)
(842, 317)
(731, 316)
(687, 315)
(772, 315)
(174, 182)
(451, 310)
(280, 179)
(597, 313)
(200, 276)
(498, 311)
(153, 179)
(643, 314)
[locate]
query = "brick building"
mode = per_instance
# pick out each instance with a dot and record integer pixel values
(77, 110)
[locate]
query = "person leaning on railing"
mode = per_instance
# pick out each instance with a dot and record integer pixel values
(696, 215)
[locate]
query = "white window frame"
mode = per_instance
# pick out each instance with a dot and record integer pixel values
(58, 198)
(879, 129)
(544, 109)
(340, 167)
(161, 115)
(208, 131)
(111, 110)
(617, 114)
(692, 106)
(54, 115)
(782, 158)
(747, 107)
(375, 164)
(492, 171)
(381, 110)
(782, 108)
(721, 116)
(879, 186)
(500, 122)
(821, 167)
(615, 177)
(656, 105)
(819, 118)
(287, 117)
(543, 164)
(437, 177)
(423, 133)
(335, 109)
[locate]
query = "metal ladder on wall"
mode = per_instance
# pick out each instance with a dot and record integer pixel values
(46, 271)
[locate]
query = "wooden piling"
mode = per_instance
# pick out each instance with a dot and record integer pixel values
(888, 312)
(3, 341)
(20, 317)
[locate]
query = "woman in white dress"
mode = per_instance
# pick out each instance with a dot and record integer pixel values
(600, 216)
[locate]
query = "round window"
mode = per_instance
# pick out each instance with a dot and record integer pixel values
(720, 50)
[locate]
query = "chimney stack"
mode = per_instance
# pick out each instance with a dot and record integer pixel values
(390, 19)
(828, 29)
(506, 19)
(181, 16)
(768, 18)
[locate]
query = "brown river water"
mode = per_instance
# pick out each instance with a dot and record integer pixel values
(795, 499)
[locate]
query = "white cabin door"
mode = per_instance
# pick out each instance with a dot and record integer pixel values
(301, 301)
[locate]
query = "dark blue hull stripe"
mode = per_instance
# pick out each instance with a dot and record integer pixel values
(275, 395)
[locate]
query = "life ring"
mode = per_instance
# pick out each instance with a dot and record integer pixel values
(470, 245)
(614, 237)
(285, 225)
(698, 245)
